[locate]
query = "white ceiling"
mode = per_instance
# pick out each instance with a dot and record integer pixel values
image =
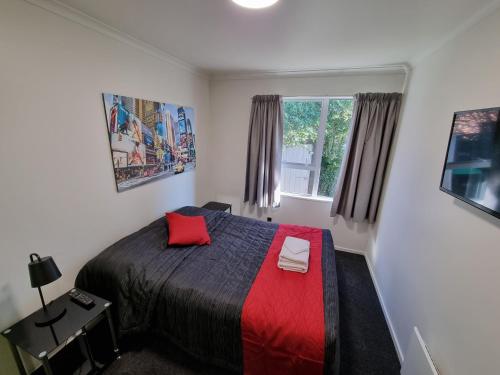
(219, 36)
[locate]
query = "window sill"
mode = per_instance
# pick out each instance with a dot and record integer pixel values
(307, 198)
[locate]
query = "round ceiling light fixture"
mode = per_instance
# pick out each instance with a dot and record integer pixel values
(255, 4)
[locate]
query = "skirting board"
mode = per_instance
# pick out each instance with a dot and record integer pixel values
(379, 295)
(386, 312)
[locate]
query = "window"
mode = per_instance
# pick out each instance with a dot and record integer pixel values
(314, 143)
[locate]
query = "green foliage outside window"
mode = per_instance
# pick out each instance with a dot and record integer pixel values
(337, 129)
(302, 121)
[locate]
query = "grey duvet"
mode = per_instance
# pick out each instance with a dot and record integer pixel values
(193, 296)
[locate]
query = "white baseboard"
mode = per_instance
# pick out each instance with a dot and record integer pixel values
(386, 312)
(379, 295)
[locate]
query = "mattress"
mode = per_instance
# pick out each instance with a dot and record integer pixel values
(192, 297)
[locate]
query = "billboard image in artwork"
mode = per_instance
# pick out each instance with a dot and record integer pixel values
(149, 140)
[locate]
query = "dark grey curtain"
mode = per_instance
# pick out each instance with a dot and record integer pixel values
(265, 137)
(359, 184)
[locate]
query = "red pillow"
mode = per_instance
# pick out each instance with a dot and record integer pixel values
(187, 230)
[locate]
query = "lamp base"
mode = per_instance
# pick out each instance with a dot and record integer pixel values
(47, 317)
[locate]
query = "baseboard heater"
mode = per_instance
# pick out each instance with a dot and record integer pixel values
(417, 360)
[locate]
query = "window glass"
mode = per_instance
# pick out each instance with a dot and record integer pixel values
(337, 129)
(314, 142)
(301, 127)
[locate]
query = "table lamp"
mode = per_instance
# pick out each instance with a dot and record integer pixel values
(43, 271)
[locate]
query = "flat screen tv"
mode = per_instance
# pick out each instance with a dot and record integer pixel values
(471, 171)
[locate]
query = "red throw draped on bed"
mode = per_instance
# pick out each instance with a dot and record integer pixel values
(282, 323)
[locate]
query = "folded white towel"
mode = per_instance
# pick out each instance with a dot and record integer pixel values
(295, 250)
(294, 255)
(287, 266)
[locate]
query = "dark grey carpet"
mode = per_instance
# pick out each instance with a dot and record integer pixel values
(366, 346)
(365, 342)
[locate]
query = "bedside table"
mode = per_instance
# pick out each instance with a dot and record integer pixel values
(44, 342)
(218, 206)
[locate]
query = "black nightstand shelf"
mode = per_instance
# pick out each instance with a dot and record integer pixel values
(218, 206)
(44, 343)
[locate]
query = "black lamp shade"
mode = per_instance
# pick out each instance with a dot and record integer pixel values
(42, 271)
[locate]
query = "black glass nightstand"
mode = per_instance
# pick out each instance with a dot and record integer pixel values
(218, 206)
(44, 342)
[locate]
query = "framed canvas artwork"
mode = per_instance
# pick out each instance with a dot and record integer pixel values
(149, 140)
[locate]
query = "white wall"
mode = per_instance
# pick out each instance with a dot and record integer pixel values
(58, 195)
(437, 260)
(230, 108)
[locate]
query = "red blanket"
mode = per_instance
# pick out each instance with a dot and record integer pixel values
(282, 323)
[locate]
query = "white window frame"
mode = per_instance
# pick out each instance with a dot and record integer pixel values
(315, 166)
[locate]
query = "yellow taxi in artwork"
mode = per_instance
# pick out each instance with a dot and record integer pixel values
(179, 168)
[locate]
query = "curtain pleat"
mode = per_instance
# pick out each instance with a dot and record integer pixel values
(359, 184)
(265, 138)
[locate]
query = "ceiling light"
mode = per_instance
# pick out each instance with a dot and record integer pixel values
(255, 4)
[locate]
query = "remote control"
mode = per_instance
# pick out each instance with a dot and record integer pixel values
(81, 299)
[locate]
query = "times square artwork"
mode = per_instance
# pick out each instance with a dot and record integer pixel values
(149, 140)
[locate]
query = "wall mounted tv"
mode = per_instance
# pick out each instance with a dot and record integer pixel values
(471, 171)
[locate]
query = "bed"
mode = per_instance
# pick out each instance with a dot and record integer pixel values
(201, 298)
